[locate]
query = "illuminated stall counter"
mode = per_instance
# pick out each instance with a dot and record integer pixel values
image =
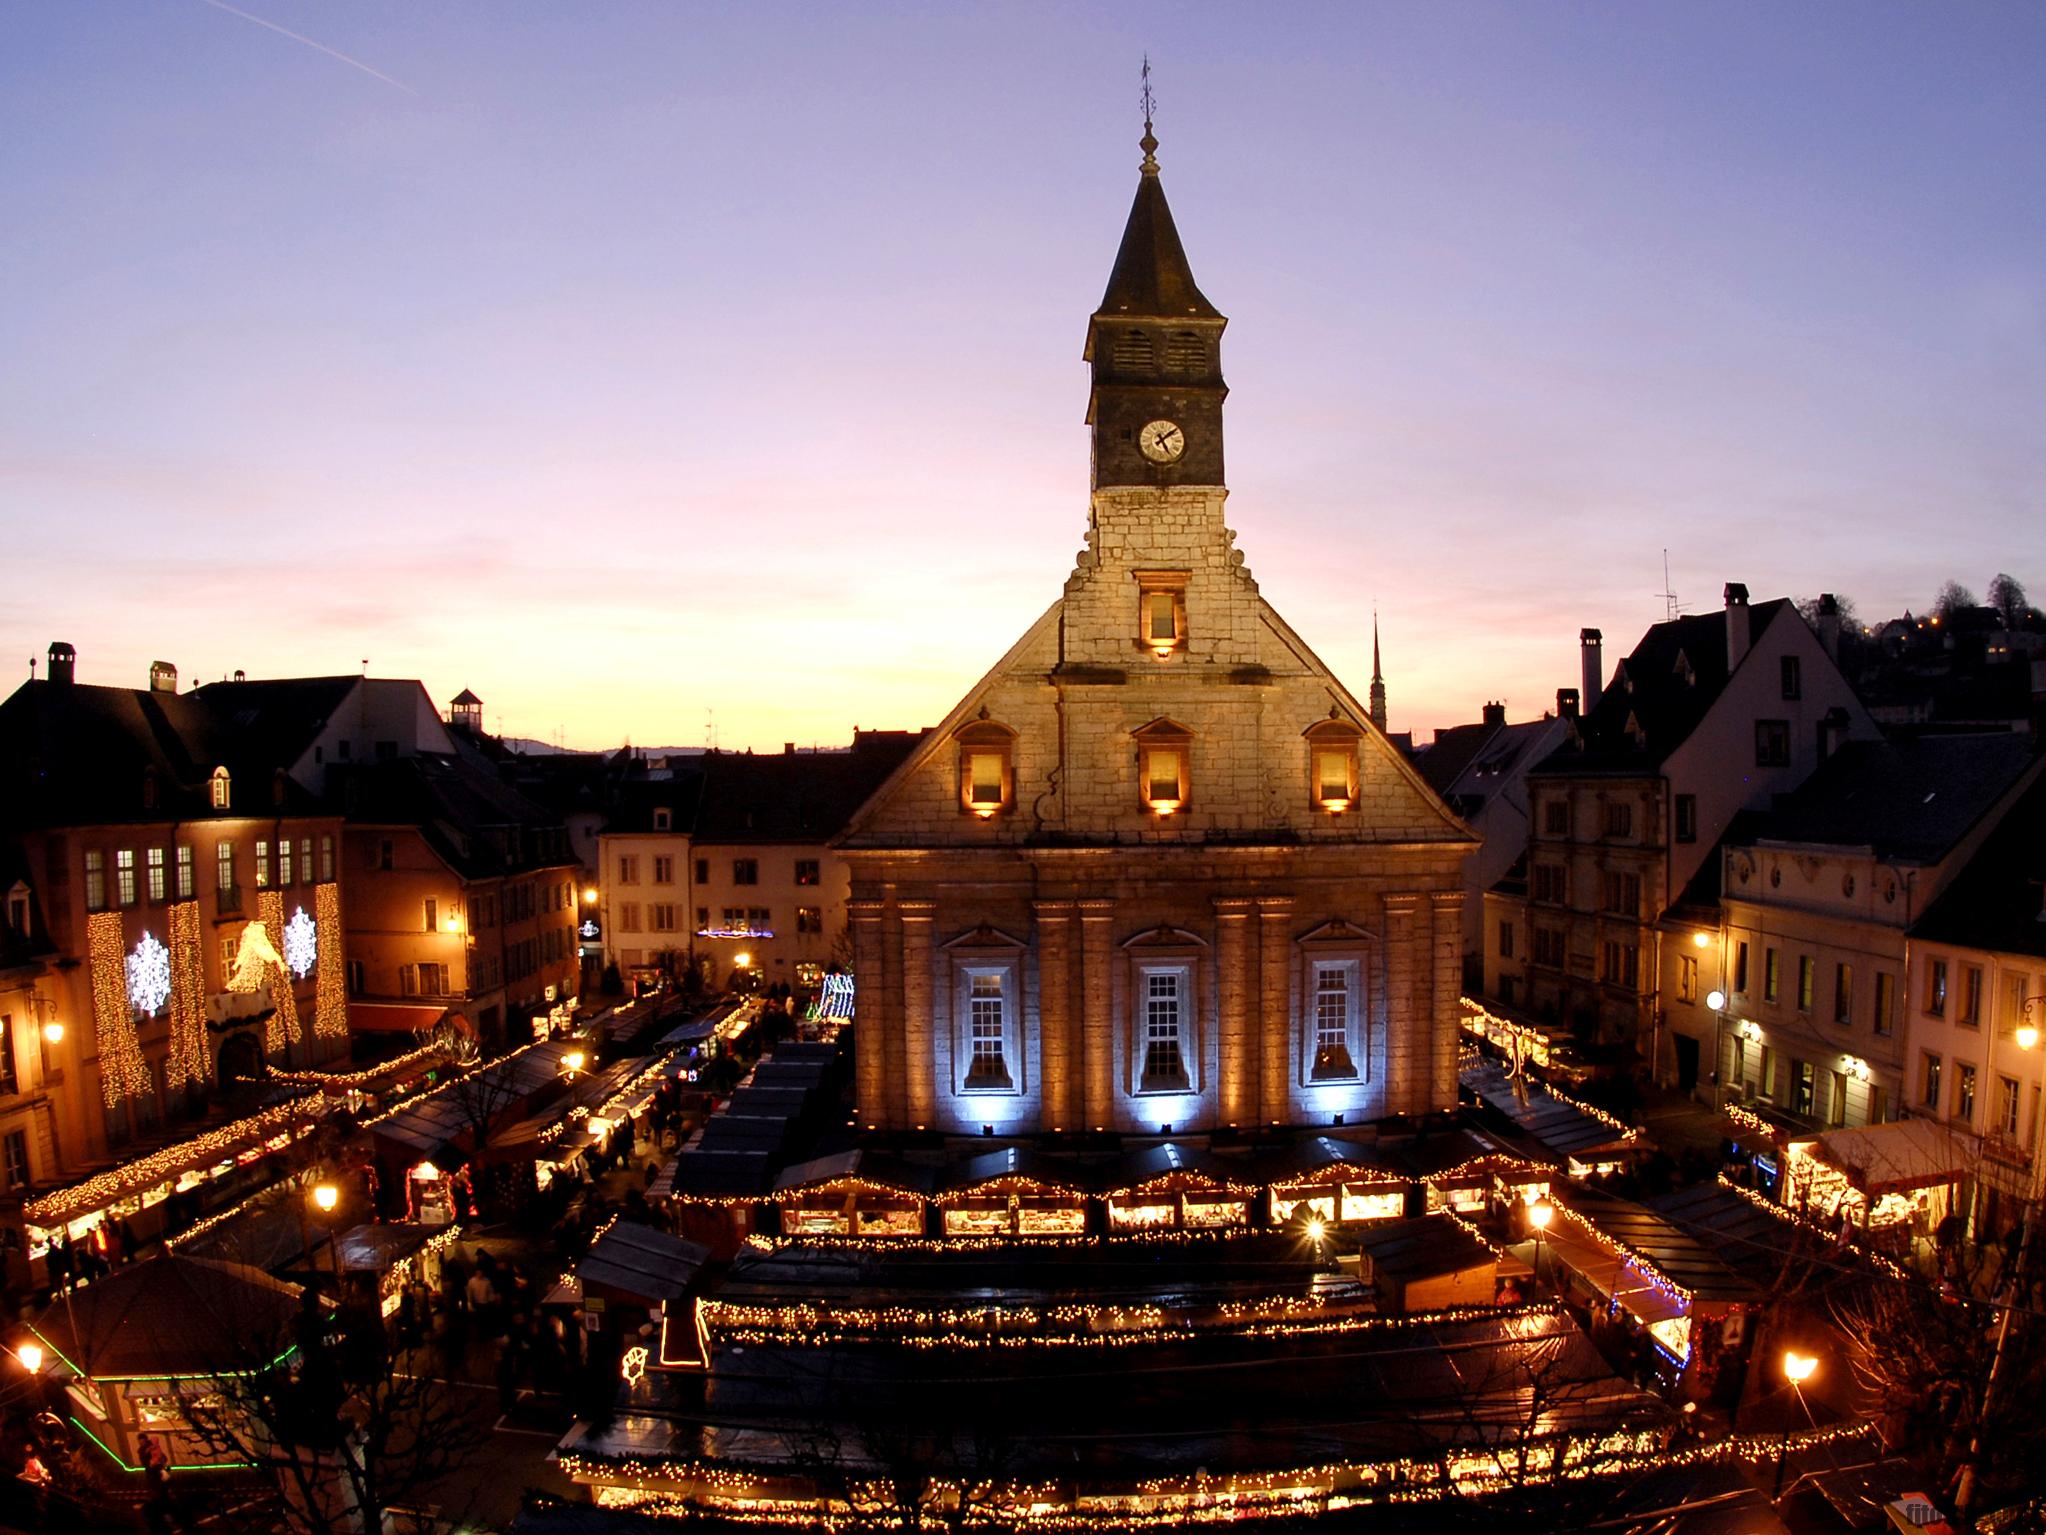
(1012, 1193)
(1340, 1181)
(854, 1194)
(1468, 1172)
(1908, 1173)
(1173, 1187)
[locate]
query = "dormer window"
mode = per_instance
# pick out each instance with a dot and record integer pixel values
(1164, 750)
(1161, 611)
(987, 768)
(219, 789)
(1332, 765)
(664, 820)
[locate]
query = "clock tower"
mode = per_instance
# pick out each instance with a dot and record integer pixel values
(1155, 350)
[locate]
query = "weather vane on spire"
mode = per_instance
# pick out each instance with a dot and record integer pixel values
(1149, 143)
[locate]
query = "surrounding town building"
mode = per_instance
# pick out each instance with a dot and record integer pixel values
(1159, 871)
(1711, 714)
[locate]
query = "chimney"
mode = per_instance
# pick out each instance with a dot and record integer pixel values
(788, 748)
(1591, 645)
(1736, 625)
(1829, 624)
(63, 662)
(240, 675)
(1495, 714)
(1566, 703)
(163, 677)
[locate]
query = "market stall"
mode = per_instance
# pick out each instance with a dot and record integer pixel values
(1910, 1172)
(1427, 1263)
(1012, 1192)
(1173, 1187)
(1336, 1180)
(854, 1193)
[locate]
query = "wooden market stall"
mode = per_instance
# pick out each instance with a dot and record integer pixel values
(1427, 1263)
(854, 1194)
(1173, 1187)
(1909, 1173)
(1012, 1192)
(1337, 1180)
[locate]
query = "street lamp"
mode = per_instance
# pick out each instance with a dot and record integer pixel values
(589, 895)
(1797, 1369)
(1317, 1228)
(31, 1357)
(1539, 1214)
(326, 1196)
(572, 1062)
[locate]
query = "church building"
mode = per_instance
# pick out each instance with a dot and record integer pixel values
(1159, 872)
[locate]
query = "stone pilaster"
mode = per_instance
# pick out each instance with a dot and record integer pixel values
(1406, 1008)
(1057, 1042)
(919, 1023)
(1097, 1012)
(893, 1085)
(870, 1030)
(1236, 1095)
(1447, 946)
(1275, 1009)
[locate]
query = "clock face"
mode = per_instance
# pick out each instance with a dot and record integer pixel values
(1161, 441)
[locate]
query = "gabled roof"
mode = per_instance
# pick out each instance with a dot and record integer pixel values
(1910, 799)
(479, 823)
(1660, 693)
(803, 797)
(171, 1315)
(1151, 277)
(1998, 900)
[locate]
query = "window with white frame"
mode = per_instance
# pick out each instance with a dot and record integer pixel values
(987, 1030)
(1335, 1012)
(1165, 1002)
(158, 875)
(124, 876)
(188, 879)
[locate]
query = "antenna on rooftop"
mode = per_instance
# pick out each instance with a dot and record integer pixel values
(1671, 609)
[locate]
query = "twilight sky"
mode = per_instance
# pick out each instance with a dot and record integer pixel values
(630, 362)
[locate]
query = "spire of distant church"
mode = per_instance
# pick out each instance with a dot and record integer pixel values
(1377, 678)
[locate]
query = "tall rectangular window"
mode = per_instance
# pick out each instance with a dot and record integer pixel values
(1793, 677)
(1331, 773)
(1843, 993)
(223, 874)
(15, 1167)
(284, 862)
(2007, 1105)
(1687, 978)
(1971, 996)
(2016, 990)
(664, 869)
(432, 912)
(1687, 818)
(1802, 1085)
(1806, 982)
(809, 919)
(1836, 1098)
(1772, 975)
(809, 871)
(1928, 1081)
(1740, 968)
(1160, 622)
(628, 869)
(262, 866)
(1885, 1001)
(1772, 743)
(124, 876)
(1164, 1061)
(1556, 817)
(987, 1025)
(1619, 818)
(1936, 988)
(745, 871)
(158, 875)
(305, 860)
(1964, 1092)
(9, 1081)
(1333, 1001)
(1506, 940)
(326, 859)
(188, 875)
(703, 871)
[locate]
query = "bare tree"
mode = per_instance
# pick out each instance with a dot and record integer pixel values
(2007, 596)
(1951, 598)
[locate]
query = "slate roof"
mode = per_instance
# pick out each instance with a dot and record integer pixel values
(804, 797)
(633, 806)
(1667, 699)
(1561, 1128)
(1998, 900)
(172, 1315)
(72, 754)
(1151, 276)
(1421, 1247)
(478, 823)
(636, 1260)
(1453, 750)
(1909, 799)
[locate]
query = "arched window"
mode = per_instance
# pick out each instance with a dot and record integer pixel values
(220, 788)
(987, 768)
(1164, 766)
(1332, 764)
(1335, 977)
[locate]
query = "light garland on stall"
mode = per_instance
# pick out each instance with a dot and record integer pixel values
(353, 1079)
(330, 980)
(1626, 1254)
(123, 1073)
(1882, 1262)
(103, 1188)
(1748, 1120)
(189, 1061)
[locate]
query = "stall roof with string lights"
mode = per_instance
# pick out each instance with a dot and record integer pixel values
(1575, 1134)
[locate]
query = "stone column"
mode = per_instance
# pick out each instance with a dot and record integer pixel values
(870, 1028)
(893, 1085)
(1406, 1011)
(1097, 1012)
(1275, 1009)
(1236, 1096)
(1058, 1088)
(919, 1023)
(1447, 924)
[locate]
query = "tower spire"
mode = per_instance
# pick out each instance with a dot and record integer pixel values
(1377, 678)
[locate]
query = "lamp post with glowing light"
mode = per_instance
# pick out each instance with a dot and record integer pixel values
(31, 1357)
(1539, 1214)
(1797, 1369)
(1317, 1229)
(326, 1199)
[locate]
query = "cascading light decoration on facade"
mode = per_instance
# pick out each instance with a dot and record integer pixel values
(190, 1061)
(330, 988)
(122, 1071)
(282, 1029)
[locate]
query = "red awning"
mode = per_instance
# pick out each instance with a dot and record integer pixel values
(392, 1018)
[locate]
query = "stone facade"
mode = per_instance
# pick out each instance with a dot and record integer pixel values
(1157, 872)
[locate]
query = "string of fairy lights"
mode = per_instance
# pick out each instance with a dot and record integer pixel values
(189, 1061)
(330, 978)
(280, 1030)
(123, 1073)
